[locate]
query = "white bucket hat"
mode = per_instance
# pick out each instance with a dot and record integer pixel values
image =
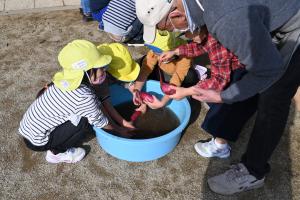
(151, 13)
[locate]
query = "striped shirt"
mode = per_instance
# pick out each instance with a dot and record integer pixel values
(54, 107)
(120, 13)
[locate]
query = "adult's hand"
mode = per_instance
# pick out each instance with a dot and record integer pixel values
(211, 96)
(181, 92)
(155, 104)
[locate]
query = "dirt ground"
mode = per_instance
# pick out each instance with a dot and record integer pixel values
(29, 44)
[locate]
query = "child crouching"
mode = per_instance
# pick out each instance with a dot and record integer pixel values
(62, 115)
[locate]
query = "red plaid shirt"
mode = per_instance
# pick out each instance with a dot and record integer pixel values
(221, 59)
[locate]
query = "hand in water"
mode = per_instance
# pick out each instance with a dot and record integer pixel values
(127, 124)
(142, 108)
(125, 132)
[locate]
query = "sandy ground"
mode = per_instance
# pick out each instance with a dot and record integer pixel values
(29, 45)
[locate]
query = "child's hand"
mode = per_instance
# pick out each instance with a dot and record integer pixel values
(155, 104)
(166, 56)
(127, 124)
(125, 132)
(142, 108)
(136, 99)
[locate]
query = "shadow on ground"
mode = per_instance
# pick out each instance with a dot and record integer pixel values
(29, 45)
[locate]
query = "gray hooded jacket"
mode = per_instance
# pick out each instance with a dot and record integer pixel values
(246, 28)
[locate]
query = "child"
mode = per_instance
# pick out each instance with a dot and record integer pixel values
(122, 70)
(225, 69)
(119, 20)
(62, 114)
(178, 71)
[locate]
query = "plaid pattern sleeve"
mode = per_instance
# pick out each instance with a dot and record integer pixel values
(191, 50)
(222, 63)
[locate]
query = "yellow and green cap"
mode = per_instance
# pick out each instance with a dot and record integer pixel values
(75, 58)
(122, 66)
(166, 40)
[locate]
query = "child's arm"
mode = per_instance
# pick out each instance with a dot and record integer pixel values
(147, 67)
(113, 128)
(167, 55)
(191, 50)
(222, 63)
(114, 114)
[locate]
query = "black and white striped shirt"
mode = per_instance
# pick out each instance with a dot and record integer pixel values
(54, 107)
(120, 13)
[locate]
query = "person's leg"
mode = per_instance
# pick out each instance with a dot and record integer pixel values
(227, 120)
(68, 135)
(64, 137)
(135, 33)
(273, 110)
(191, 78)
(224, 122)
(85, 4)
(86, 10)
(272, 114)
(64, 142)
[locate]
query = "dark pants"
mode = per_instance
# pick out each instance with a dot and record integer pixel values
(272, 113)
(189, 80)
(272, 107)
(227, 120)
(64, 137)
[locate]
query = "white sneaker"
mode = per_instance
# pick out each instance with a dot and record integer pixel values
(236, 179)
(210, 149)
(72, 155)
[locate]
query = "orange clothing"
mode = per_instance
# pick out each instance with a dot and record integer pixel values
(178, 69)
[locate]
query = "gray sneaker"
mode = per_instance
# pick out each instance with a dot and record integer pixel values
(236, 179)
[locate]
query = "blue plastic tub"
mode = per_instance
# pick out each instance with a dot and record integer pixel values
(140, 150)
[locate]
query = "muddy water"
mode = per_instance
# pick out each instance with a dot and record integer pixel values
(153, 123)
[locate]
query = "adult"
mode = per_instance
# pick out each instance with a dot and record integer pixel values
(265, 37)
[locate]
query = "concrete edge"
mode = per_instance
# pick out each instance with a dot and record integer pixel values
(37, 10)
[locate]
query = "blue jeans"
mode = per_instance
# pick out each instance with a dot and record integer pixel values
(85, 5)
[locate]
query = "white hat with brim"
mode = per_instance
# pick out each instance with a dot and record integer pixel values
(149, 34)
(150, 13)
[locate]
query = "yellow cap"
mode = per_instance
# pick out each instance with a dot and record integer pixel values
(75, 58)
(122, 66)
(166, 40)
